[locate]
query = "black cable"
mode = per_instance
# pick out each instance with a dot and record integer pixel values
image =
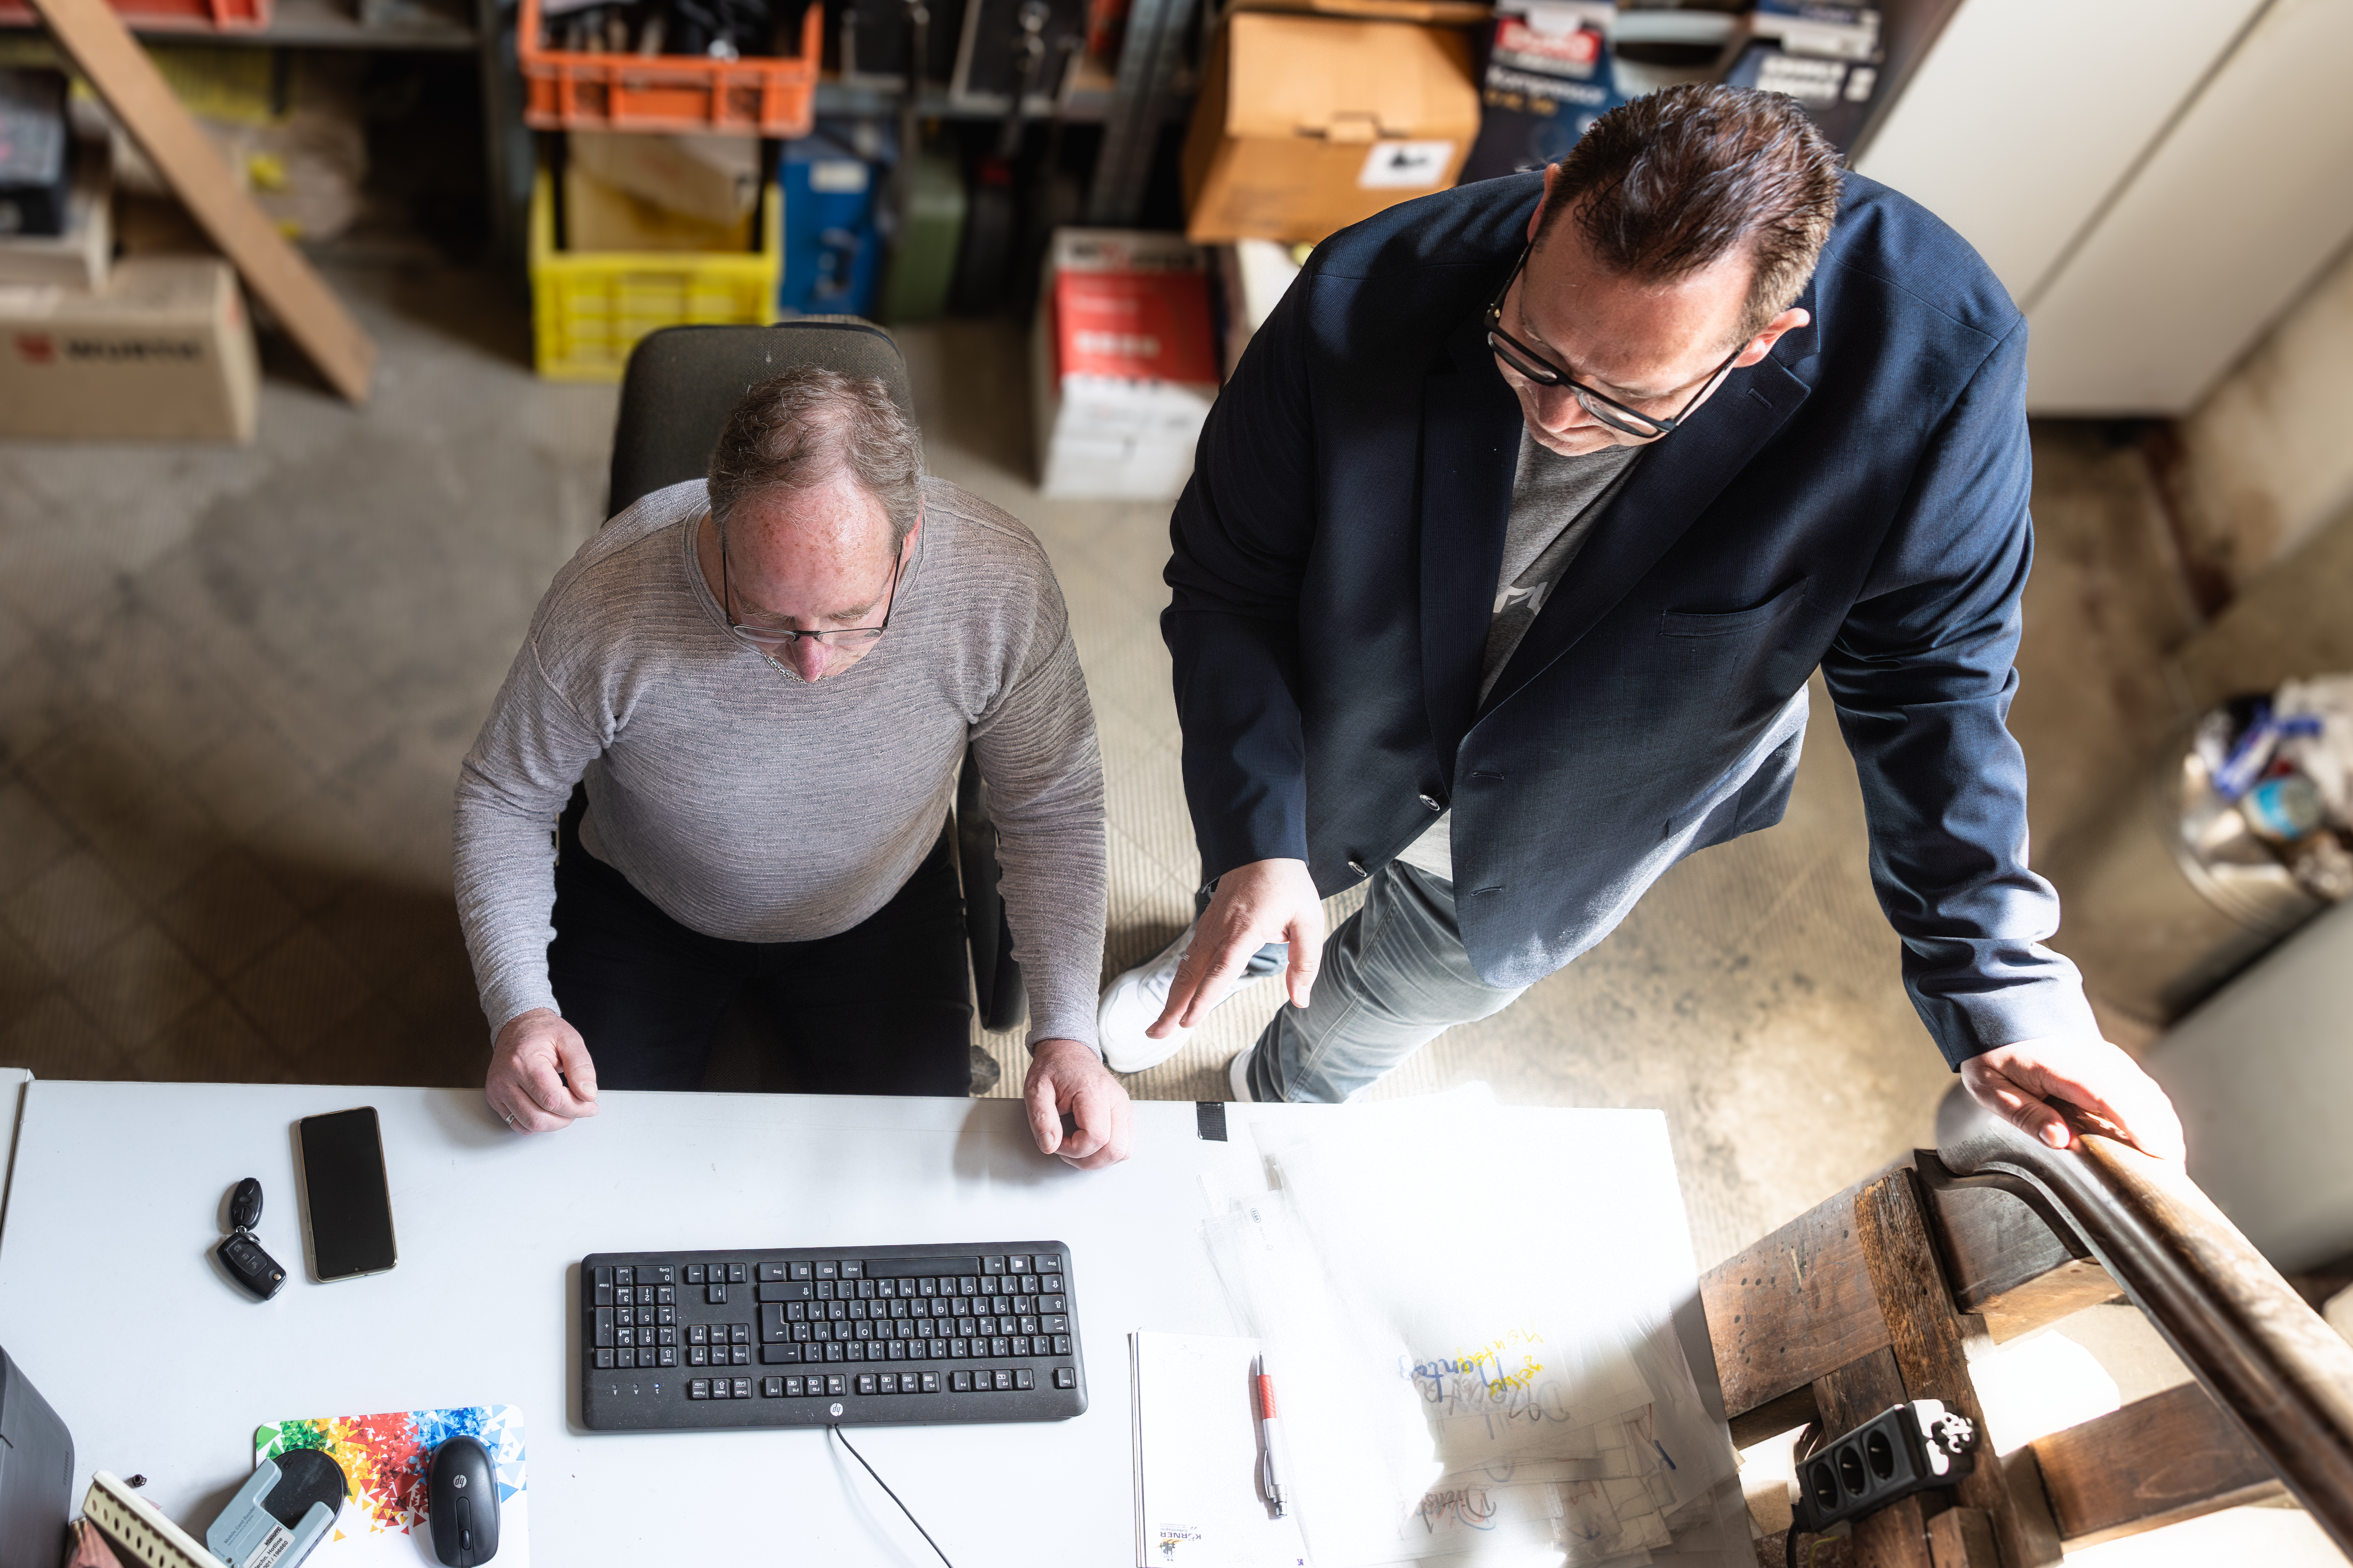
(1790, 1545)
(878, 1481)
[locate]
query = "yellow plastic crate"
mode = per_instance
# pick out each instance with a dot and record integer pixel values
(588, 309)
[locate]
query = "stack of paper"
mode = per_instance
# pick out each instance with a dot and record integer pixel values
(1477, 1325)
(1198, 1498)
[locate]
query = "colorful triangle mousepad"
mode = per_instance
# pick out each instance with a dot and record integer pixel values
(385, 1459)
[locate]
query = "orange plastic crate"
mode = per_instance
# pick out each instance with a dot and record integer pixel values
(166, 16)
(601, 91)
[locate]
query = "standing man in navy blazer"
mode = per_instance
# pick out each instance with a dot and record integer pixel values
(1509, 550)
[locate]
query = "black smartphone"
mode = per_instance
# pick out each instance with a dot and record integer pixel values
(346, 1199)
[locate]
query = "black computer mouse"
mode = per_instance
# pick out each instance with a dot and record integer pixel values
(461, 1499)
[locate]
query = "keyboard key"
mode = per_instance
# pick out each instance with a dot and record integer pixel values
(780, 1355)
(1056, 1323)
(736, 1274)
(1020, 1345)
(992, 1265)
(717, 1294)
(834, 1351)
(1061, 1345)
(645, 1317)
(1024, 1378)
(828, 1270)
(939, 1349)
(698, 1333)
(1066, 1377)
(865, 1383)
(802, 1270)
(1004, 1376)
(699, 1388)
(897, 1351)
(668, 1354)
(604, 1360)
(697, 1355)
(1049, 1282)
(792, 1387)
(743, 1388)
(1054, 1303)
(959, 1349)
(888, 1383)
(773, 1330)
(694, 1273)
(739, 1355)
(625, 1275)
(720, 1388)
(625, 1337)
(1048, 1262)
(1002, 1345)
(772, 1388)
(1027, 1326)
(960, 1382)
(666, 1295)
(666, 1275)
(931, 1383)
(605, 1327)
(787, 1290)
(739, 1333)
(1017, 1265)
(852, 1269)
(601, 1275)
(666, 1336)
(837, 1385)
(771, 1272)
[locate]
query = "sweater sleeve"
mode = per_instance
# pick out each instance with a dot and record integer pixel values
(512, 788)
(1036, 751)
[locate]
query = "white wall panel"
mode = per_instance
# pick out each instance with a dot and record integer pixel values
(2235, 213)
(2027, 114)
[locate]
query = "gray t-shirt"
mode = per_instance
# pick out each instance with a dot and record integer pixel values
(1556, 501)
(754, 806)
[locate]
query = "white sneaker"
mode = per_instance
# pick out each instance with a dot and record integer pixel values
(1238, 1073)
(1134, 1001)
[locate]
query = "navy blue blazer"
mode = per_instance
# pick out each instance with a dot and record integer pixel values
(1856, 500)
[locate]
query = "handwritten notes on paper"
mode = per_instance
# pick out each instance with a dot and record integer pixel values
(1520, 1399)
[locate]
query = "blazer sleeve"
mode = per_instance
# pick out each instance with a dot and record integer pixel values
(1922, 674)
(1241, 539)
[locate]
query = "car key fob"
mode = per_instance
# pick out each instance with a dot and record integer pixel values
(252, 1267)
(240, 1254)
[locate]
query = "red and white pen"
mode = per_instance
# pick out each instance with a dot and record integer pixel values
(1274, 1467)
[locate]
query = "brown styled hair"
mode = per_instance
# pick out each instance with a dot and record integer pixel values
(1676, 180)
(800, 429)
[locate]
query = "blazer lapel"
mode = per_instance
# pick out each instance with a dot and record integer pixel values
(1664, 496)
(1470, 446)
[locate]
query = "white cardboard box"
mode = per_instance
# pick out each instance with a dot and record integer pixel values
(1123, 364)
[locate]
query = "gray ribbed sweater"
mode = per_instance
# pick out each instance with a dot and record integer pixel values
(754, 806)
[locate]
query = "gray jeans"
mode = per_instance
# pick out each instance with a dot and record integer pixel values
(1395, 977)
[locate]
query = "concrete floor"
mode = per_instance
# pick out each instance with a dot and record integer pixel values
(235, 685)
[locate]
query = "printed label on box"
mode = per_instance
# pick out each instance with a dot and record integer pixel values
(1405, 165)
(836, 177)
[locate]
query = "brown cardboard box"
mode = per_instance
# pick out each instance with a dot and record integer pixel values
(162, 352)
(598, 216)
(713, 178)
(1307, 124)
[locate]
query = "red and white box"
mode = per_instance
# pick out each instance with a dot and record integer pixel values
(1124, 364)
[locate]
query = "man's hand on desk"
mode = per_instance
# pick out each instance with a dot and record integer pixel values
(1065, 1076)
(2012, 1081)
(541, 1077)
(1264, 902)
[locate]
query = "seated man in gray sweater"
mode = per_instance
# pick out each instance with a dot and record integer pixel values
(766, 681)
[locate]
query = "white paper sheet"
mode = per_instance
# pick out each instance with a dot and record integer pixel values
(1197, 1452)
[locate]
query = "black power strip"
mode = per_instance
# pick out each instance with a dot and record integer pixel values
(1904, 1450)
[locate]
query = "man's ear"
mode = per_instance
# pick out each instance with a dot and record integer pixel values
(1788, 321)
(1536, 218)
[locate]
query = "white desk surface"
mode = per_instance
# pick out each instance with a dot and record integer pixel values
(112, 1303)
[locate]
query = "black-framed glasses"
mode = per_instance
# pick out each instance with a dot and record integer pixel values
(765, 640)
(1544, 373)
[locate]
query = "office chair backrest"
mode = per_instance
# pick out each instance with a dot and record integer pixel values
(683, 382)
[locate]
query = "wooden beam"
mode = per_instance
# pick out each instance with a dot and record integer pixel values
(2003, 1256)
(1962, 1538)
(1930, 1340)
(1897, 1535)
(94, 39)
(2170, 1457)
(1791, 1309)
(2078, 1283)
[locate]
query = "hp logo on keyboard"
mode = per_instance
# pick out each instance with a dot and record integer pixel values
(837, 1410)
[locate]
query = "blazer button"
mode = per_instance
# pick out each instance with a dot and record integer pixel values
(1430, 803)
(1357, 869)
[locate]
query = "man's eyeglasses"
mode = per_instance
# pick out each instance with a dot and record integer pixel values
(766, 640)
(1541, 371)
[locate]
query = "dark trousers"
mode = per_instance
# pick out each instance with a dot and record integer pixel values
(881, 1008)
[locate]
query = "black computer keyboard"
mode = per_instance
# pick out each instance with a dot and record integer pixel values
(797, 1336)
